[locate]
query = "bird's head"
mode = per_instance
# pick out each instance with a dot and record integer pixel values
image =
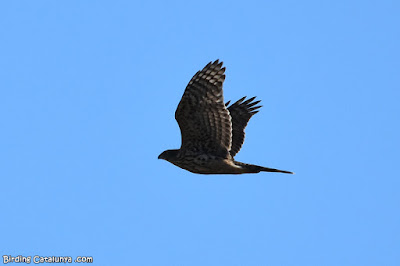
(168, 155)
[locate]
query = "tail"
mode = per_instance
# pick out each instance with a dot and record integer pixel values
(251, 168)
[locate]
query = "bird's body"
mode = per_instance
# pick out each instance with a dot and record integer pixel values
(212, 133)
(203, 163)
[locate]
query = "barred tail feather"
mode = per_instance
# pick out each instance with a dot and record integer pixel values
(251, 168)
(266, 169)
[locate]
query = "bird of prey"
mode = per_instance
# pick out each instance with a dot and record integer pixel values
(212, 132)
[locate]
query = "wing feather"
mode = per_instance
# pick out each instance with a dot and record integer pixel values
(241, 112)
(203, 118)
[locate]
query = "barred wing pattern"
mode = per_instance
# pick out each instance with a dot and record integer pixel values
(203, 118)
(241, 112)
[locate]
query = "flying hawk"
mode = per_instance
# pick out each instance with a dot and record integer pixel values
(212, 132)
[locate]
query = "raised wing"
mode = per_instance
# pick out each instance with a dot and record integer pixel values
(204, 121)
(241, 112)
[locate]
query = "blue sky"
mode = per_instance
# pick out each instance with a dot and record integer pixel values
(88, 91)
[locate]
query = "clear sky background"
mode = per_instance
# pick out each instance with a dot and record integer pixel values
(88, 91)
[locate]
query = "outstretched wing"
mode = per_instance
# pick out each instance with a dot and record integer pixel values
(241, 112)
(204, 121)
